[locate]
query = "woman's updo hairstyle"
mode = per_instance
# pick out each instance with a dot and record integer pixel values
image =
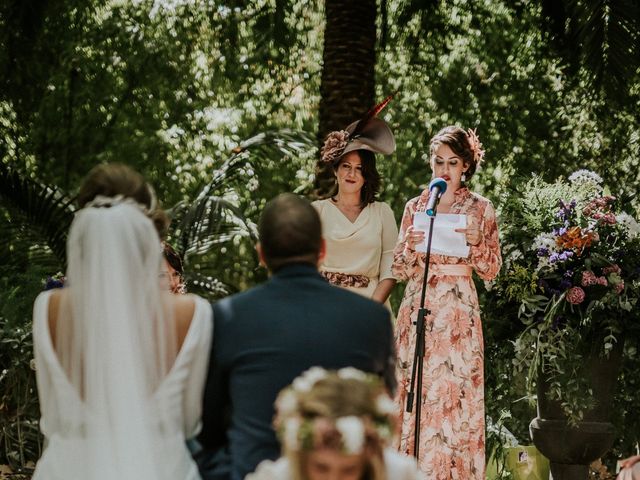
(465, 145)
(113, 179)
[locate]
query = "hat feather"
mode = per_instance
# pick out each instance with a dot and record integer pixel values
(373, 112)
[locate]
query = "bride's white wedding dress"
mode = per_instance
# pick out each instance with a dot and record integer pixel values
(177, 401)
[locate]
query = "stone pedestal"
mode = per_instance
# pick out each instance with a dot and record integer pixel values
(569, 449)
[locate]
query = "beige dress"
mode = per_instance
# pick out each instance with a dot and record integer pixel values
(360, 253)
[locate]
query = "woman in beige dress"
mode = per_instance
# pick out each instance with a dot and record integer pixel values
(360, 232)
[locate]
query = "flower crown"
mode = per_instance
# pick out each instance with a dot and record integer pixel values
(475, 145)
(350, 434)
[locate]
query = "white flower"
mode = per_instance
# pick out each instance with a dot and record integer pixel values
(489, 284)
(350, 373)
(629, 223)
(544, 240)
(287, 403)
(384, 431)
(581, 177)
(253, 184)
(308, 379)
(291, 429)
(384, 405)
(545, 264)
(352, 432)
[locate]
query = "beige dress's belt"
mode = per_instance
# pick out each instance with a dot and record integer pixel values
(346, 279)
(453, 270)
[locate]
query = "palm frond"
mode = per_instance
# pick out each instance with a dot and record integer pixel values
(207, 286)
(601, 36)
(35, 210)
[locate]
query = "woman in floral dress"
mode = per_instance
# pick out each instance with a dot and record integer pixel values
(452, 424)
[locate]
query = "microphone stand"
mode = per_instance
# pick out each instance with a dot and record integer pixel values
(418, 354)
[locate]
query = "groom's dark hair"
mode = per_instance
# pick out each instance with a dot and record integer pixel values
(290, 231)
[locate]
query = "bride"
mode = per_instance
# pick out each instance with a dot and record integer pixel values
(120, 363)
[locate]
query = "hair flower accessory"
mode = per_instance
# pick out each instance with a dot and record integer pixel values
(102, 201)
(384, 405)
(351, 430)
(308, 379)
(475, 145)
(334, 145)
(352, 373)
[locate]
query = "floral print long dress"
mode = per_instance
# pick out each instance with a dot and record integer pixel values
(452, 421)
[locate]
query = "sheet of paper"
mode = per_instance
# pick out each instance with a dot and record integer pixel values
(445, 241)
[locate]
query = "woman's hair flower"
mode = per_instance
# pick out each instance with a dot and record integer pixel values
(350, 373)
(384, 405)
(475, 145)
(352, 431)
(291, 429)
(308, 379)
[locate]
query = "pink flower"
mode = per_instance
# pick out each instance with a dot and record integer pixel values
(475, 145)
(602, 281)
(609, 218)
(588, 278)
(612, 269)
(618, 288)
(575, 295)
(334, 145)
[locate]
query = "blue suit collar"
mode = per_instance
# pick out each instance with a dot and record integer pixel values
(299, 269)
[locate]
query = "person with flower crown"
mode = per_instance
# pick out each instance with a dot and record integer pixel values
(451, 443)
(360, 232)
(338, 425)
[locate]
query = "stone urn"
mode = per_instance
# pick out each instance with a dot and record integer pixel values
(569, 449)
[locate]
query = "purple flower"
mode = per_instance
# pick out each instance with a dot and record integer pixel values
(52, 283)
(554, 257)
(543, 252)
(567, 254)
(565, 284)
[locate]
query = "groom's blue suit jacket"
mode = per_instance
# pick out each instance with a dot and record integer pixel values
(263, 339)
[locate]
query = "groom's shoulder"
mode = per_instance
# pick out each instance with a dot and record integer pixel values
(227, 306)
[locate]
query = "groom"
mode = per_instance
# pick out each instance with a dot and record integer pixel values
(267, 336)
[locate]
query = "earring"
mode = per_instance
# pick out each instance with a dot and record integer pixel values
(463, 177)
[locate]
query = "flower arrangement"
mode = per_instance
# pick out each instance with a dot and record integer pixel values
(572, 265)
(306, 416)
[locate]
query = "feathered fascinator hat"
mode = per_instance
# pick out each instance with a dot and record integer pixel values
(369, 133)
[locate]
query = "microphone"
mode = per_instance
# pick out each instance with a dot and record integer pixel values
(437, 187)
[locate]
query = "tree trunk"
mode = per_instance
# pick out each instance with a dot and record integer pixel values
(347, 88)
